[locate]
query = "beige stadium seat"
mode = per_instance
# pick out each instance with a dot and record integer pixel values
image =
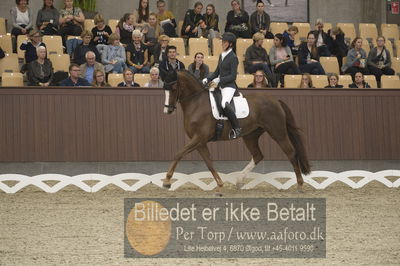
(304, 29)
(365, 46)
(114, 79)
(397, 45)
(396, 65)
(9, 63)
(12, 80)
(186, 60)
(345, 80)
(212, 62)
(330, 64)
(241, 65)
(278, 27)
(319, 81)
(371, 80)
(390, 84)
(53, 44)
(20, 40)
(113, 23)
(180, 45)
(60, 62)
(349, 30)
(389, 77)
(3, 29)
(390, 31)
(242, 45)
(292, 81)
(141, 79)
(6, 43)
(267, 44)
(368, 31)
(198, 45)
(179, 27)
(243, 80)
(217, 46)
(89, 24)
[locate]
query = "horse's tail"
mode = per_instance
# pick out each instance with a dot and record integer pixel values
(296, 139)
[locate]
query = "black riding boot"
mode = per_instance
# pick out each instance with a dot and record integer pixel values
(230, 114)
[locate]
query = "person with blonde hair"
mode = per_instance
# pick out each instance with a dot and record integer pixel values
(99, 79)
(114, 56)
(259, 80)
(128, 79)
(322, 38)
(333, 80)
(160, 50)
(155, 80)
(101, 31)
(337, 44)
(30, 47)
(86, 46)
(306, 81)
(71, 20)
(151, 33)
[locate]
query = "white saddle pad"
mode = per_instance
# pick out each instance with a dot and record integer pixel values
(241, 107)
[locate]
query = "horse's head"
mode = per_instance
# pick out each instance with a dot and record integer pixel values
(171, 92)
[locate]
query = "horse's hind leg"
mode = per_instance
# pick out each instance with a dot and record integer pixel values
(205, 154)
(251, 142)
(192, 145)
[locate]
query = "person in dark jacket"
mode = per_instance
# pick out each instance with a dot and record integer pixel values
(74, 80)
(30, 47)
(191, 21)
(337, 44)
(47, 19)
(257, 58)
(359, 81)
(128, 79)
(171, 63)
(40, 71)
(322, 39)
(125, 28)
(86, 46)
(260, 21)
(333, 80)
(225, 76)
(237, 21)
(309, 57)
(379, 60)
(160, 50)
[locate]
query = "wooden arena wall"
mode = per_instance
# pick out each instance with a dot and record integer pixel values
(85, 124)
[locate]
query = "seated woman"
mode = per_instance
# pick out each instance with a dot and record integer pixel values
(21, 18)
(356, 59)
(113, 57)
(47, 19)
(128, 79)
(337, 44)
(151, 33)
(141, 15)
(290, 39)
(209, 26)
(125, 28)
(137, 54)
(309, 57)
(322, 38)
(237, 21)
(166, 19)
(99, 79)
(155, 80)
(281, 59)
(192, 20)
(259, 81)
(160, 49)
(333, 80)
(40, 71)
(86, 46)
(379, 60)
(198, 68)
(359, 81)
(101, 31)
(306, 81)
(71, 20)
(30, 47)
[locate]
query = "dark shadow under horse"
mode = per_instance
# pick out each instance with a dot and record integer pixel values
(267, 114)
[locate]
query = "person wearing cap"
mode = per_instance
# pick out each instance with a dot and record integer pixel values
(225, 75)
(256, 58)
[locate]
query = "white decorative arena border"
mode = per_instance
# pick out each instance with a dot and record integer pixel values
(196, 179)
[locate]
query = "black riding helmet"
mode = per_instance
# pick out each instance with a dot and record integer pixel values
(231, 38)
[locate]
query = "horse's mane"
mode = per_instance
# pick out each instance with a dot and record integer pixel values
(189, 76)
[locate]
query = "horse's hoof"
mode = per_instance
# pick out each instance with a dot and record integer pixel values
(239, 185)
(300, 189)
(167, 186)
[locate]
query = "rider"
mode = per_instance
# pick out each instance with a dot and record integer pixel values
(225, 74)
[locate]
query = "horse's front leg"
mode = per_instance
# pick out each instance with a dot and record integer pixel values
(192, 145)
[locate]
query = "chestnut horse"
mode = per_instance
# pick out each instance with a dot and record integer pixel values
(266, 114)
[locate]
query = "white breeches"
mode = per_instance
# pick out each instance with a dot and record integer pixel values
(227, 95)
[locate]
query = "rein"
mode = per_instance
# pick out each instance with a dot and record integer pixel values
(168, 87)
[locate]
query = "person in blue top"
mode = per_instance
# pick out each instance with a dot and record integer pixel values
(74, 80)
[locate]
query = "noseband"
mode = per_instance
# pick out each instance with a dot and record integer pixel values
(168, 87)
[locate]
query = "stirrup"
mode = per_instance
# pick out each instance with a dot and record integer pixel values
(235, 133)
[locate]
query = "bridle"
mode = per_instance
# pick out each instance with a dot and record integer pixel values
(168, 87)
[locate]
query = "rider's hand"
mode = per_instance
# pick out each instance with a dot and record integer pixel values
(216, 80)
(204, 81)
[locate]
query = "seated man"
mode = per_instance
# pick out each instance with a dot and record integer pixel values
(88, 68)
(256, 58)
(74, 80)
(171, 63)
(86, 45)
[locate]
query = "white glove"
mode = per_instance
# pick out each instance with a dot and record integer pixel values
(216, 80)
(205, 81)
